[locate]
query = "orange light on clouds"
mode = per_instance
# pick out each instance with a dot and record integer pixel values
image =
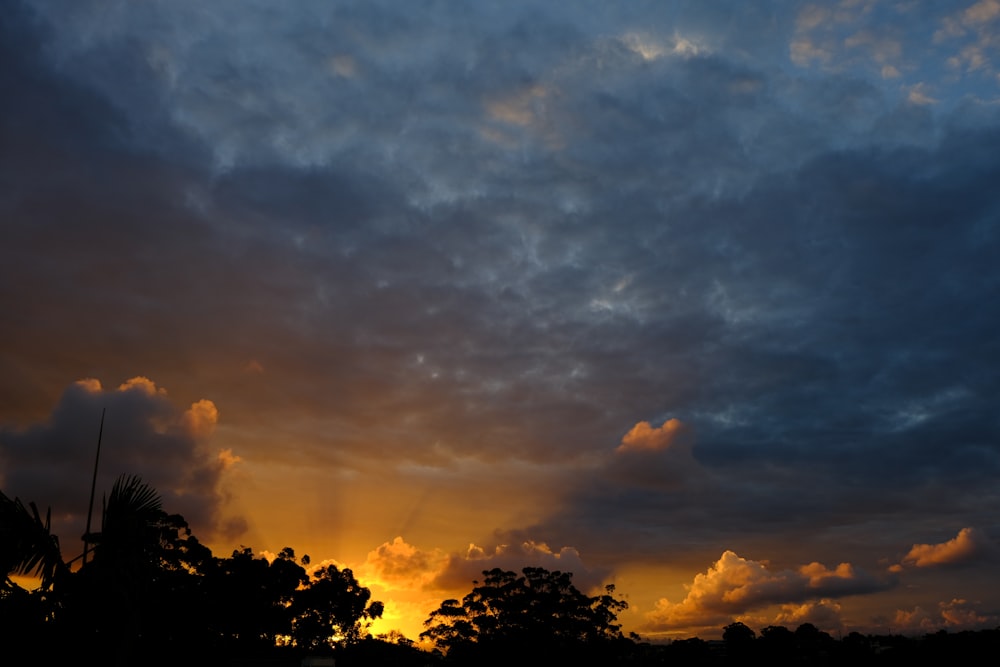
(964, 546)
(643, 437)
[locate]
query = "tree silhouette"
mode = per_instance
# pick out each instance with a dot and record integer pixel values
(152, 588)
(250, 599)
(138, 587)
(777, 645)
(510, 616)
(27, 546)
(739, 640)
(333, 610)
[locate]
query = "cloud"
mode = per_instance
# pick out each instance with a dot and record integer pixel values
(955, 615)
(735, 586)
(668, 217)
(201, 418)
(825, 614)
(643, 437)
(462, 569)
(968, 545)
(983, 11)
(919, 95)
(144, 433)
(398, 564)
(655, 458)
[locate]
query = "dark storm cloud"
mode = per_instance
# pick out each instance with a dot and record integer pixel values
(514, 233)
(141, 431)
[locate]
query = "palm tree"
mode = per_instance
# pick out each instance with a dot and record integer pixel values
(27, 545)
(141, 559)
(116, 583)
(130, 527)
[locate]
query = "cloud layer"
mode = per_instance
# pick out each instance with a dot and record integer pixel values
(734, 586)
(646, 282)
(140, 432)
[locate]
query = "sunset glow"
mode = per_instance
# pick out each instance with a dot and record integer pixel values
(696, 299)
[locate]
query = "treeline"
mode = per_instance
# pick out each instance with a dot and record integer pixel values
(147, 592)
(807, 645)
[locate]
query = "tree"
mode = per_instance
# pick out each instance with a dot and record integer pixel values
(737, 632)
(811, 641)
(739, 640)
(152, 588)
(777, 645)
(139, 586)
(251, 599)
(541, 612)
(27, 546)
(332, 610)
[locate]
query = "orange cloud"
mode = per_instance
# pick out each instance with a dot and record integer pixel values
(90, 385)
(824, 614)
(253, 367)
(412, 581)
(736, 585)
(402, 565)
(821, 578)
(956, 614)
(462, 569)
(643, 437)
(227, 458)
(144, 433)
(963, 547)
(200, 419)
(658, 458)
(140, 383)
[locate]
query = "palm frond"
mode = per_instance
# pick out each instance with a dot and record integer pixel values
(27, 546)
(133, 496)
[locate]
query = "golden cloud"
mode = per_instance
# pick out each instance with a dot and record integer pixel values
(643, 437)
(90, 385)
(963, 547)
(818, 574)
(956, 614)
(227, 458)
(398, 564)
(736, 585)
(200, 419)
(823, 614)
(141, 383)
(462, 569)
(146, 434)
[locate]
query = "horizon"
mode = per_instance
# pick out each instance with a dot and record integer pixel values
(695, 299)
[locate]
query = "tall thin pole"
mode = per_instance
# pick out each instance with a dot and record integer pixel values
(93, 486)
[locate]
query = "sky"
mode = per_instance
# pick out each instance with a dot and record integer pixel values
(698, 299)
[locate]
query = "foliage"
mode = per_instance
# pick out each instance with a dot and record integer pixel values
(152, 590)
(27, 546)
(249, 598)
(151, 586)
(334, 609)
(508, 613)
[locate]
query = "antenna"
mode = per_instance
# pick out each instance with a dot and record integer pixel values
(93, 484)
